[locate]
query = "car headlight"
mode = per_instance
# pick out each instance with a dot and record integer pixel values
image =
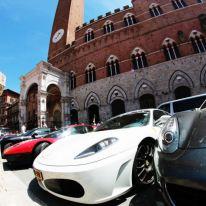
(97, 147)
(169, 136)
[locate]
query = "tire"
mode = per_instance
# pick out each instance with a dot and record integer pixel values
(39, 148)
(143, 172)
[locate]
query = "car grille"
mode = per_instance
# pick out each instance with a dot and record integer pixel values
(64, 187)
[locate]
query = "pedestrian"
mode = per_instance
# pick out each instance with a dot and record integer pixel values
(23, 128)
(44, 125)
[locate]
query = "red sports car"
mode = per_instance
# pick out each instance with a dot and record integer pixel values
(25, 152)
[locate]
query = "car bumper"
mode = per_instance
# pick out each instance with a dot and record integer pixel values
(19, 158)
(184, 168)
(98, 182)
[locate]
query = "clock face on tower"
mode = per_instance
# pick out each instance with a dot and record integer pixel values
(58, 35)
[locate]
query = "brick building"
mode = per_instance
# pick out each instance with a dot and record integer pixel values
(13, 116)
(124, 60)
(7, 99)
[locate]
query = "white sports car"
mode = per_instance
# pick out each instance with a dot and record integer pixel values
(100, 166)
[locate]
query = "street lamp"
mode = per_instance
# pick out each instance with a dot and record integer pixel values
(2, 82)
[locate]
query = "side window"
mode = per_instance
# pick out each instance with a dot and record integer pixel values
(165, 107)
(89, 129)
(42, 131)
(157, 114)
(78, 130)
(188, 104)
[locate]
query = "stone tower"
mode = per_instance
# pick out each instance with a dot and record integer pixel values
(69, 15)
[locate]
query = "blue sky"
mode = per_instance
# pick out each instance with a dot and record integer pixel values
(25, 32)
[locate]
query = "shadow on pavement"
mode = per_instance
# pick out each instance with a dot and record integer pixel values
(11, 167)
(148, 197)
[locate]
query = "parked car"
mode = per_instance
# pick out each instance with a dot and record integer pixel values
(25, 152)
(180, 158)
(102, 165)
(8, 141)
(5, 131)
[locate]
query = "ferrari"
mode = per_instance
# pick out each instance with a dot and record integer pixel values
(180, 158)
(8, 141)
(25, 152)
(102, 165)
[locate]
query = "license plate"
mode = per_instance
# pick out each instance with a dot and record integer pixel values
(38, 175)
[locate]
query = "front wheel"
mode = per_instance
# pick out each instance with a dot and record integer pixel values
(39, 149)
(143, 168)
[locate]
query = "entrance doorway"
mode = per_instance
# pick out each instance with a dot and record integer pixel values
(93, 114)
(74, 116)
(118, 107)
(147, 101)
(182, 92)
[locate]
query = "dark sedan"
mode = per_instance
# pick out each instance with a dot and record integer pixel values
(180, 158)
(8, 141)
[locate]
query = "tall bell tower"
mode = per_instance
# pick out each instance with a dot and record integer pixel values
(69, 15)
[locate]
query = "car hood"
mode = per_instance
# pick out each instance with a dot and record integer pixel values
(64, 151)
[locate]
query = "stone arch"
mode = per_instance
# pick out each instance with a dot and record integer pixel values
(50, 83)
(107, 22)
(152, 5)
(32, 106)
(116, 93)
(112, 58)
(92, 99)
(128, 15)
(167, 41)
(144, 86)
(90, 66)
(28, 88)
(195, 33)
(89, 30)
(182, 92)
(203, 76)
(74, 104)
(179, 78)
(53, 105)
(137, 50)
(147, 101)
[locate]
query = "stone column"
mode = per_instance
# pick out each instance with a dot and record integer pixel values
(22, 112)
(42, 108)
(65, 105)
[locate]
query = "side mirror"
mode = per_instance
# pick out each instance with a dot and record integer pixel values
(34, 135)
(162, 120)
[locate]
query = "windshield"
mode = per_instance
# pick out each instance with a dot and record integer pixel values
(28, 133)
(55, 134)
(126, 121)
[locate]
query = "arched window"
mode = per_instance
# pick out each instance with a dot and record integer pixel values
(72, 78)
(177, 4)
(112, 66)
(155, 10)
(108, 27)
(198, 41)
(90, 73)
(129, 19)
(89, 35)
(139, 59)
(171, 50)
